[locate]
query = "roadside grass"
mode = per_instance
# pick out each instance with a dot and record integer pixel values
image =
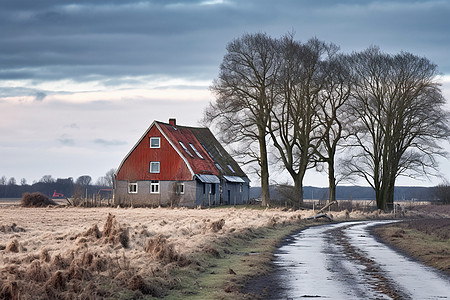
(223, 268)
(432, 249)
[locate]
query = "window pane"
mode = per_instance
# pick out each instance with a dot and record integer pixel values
(154, 142)
(196, 151)
(186, 149)
(154, 187)
(154, 167)
(180, 188)
(132, 188)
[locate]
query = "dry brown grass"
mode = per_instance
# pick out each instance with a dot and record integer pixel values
(217, 225)
(113, 232)
(13, 246)
(85, 253)
(11, 228)
(9, 290)
(159, 248)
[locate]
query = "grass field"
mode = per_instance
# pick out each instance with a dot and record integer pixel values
(139, 253)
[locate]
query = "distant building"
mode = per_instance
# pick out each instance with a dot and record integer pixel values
(172, 165)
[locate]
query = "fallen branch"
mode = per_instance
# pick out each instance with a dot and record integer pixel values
(328, 205)
(320, 216)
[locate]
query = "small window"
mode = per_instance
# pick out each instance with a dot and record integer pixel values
(212, 191)
(154, 187)
(231, 168)
(209, 153)
(219, 167)
(218, 151)
(154, 142)
(196, 151)
(180, 188)
(132, 188)
(186, 149)
(154, 167)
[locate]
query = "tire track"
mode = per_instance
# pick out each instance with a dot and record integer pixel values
(372, 271)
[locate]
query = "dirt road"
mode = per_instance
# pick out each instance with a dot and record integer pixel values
(343, 261)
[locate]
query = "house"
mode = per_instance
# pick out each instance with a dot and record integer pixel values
(174, 165)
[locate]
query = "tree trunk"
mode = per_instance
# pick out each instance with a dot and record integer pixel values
(389, 194)
(331, 181)
(379, 197)
(265, 194)
(298, 187)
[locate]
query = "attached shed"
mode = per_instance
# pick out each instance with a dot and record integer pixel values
(172, 165)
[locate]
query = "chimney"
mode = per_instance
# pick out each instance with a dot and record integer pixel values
(173, 122)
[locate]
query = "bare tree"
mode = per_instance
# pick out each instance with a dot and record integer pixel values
(332, 115)
(84, 180)
(3, 180)
(109, 176)
(245, 93)
(12, 181)
(47, 179)
(23, 181)
(442, 192)
(107, 180)
(101, 181)
(399, 120)
(294, 124)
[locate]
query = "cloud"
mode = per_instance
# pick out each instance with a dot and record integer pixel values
(39, 96)
(116, 42)
(95, 66)
(109, 142)
(65, 141)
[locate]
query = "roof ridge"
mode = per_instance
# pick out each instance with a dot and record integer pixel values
(182, 126)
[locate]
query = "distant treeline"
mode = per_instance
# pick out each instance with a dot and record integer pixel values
(65, 186)
(353, 193)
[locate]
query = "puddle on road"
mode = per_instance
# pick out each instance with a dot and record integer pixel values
(412, 278)
(313, 266)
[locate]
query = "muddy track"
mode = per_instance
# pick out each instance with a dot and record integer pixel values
(344, 261)
(375, 276)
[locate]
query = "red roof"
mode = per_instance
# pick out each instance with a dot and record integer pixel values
(197, 147)
(193, 151)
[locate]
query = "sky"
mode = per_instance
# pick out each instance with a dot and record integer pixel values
(81, 81)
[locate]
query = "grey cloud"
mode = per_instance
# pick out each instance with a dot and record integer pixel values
(109, 142)
(39, 96)
(108, 40)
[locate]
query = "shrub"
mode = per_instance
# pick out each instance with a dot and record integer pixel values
(36, 200)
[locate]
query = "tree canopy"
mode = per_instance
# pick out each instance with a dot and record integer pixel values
(301, 102)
